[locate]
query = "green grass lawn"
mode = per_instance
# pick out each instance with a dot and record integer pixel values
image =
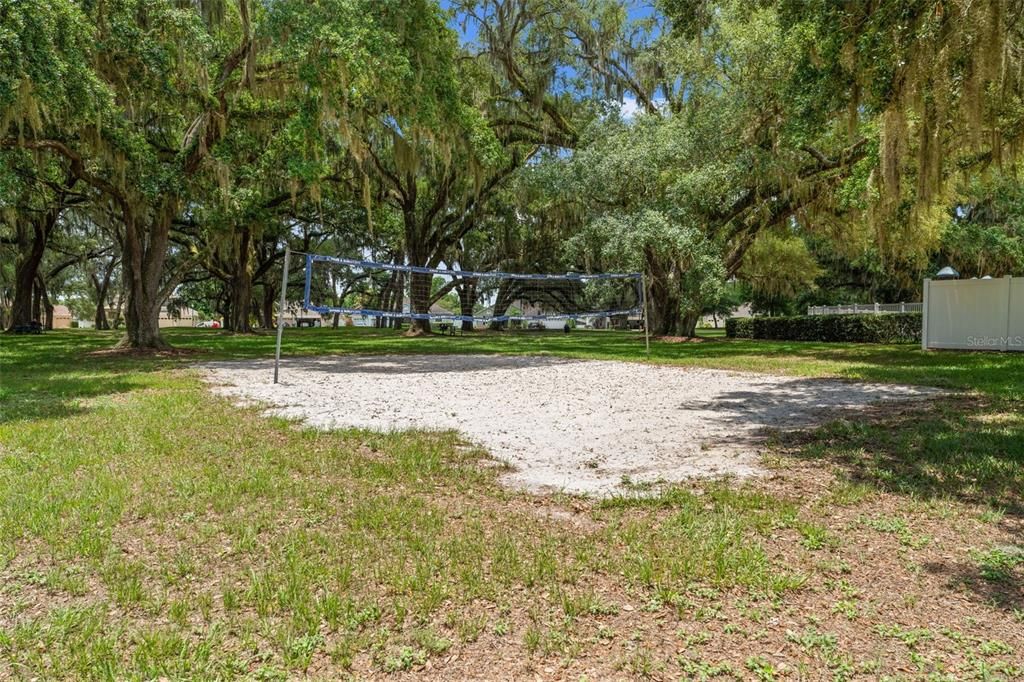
(149, 529)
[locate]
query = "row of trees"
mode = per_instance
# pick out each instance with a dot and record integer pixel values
(158, 152)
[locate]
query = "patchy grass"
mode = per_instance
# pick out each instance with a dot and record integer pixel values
(150, 530)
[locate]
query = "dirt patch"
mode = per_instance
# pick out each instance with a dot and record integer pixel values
(681, 339)
(145, 353)
(588, 427)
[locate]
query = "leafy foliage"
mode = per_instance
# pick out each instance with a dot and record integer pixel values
(888, 328)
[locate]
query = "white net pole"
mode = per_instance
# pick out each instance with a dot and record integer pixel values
(280, 312)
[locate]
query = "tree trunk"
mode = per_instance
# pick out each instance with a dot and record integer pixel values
(467, 302)
(419, 300)
(145, 250)
(240, 305)
(119, 308)
(269, 295)
(664, 308)
(688, 324)
(37, 301)
(501, 303)
(44, 301)
(100, 320)
(31, 246)
(33, 235)
(102, 287)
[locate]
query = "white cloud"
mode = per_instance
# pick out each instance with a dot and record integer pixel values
(629, 107)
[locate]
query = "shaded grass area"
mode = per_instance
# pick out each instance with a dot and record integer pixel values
(970, 449)
(148, 529)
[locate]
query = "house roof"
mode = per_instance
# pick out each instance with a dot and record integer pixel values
(439, 310)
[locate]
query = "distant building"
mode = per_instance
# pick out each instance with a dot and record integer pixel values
(61, 317)
(710, 320)
(181, 317)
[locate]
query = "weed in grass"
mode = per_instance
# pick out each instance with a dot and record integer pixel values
(992, 515)
(470, 628)
(405, 659)
(641, 663)
(761, 668)
(847, 608)
(532, 638)
(178, 612)
(812, 640)
(699, 669)
(298, 650)
(816, 536)
(428, 640)
(997, 564)
(847, 493)
(586, 603)
(124, 580)
(697, 639)
(897, 526)
(994, 647)
(230, 599)
(343, 651)
(910, 637)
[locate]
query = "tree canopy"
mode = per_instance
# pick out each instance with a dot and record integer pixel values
(167, 151)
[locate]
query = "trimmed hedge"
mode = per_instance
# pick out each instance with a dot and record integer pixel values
(869, 328)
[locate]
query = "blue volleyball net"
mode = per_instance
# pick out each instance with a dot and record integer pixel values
(366, 292)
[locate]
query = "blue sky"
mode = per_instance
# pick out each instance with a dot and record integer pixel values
(636, 10)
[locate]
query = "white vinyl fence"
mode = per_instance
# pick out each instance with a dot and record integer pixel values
(864, 308)
(976, 314)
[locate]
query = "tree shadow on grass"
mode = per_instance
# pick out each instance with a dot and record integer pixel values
(1006, 592)
(49, 376)
(969, 449)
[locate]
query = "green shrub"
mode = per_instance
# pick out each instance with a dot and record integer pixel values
(739, 328)
(884, 328)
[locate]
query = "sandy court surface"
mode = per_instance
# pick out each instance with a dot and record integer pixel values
(579, 426)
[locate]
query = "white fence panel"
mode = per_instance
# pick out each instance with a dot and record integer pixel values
(864, 308)
(1016, 304)
(976, 314)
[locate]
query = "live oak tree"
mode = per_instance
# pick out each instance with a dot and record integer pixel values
(720, 149)
(210, 133)
(33, 201)
(935, 85)
(135, 96)
(439, 162)
(778, 266)
(145, 97)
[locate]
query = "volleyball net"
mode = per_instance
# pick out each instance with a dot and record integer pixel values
(367, 291)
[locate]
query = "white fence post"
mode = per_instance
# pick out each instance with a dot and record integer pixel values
(924, 316)
(1005, 345)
